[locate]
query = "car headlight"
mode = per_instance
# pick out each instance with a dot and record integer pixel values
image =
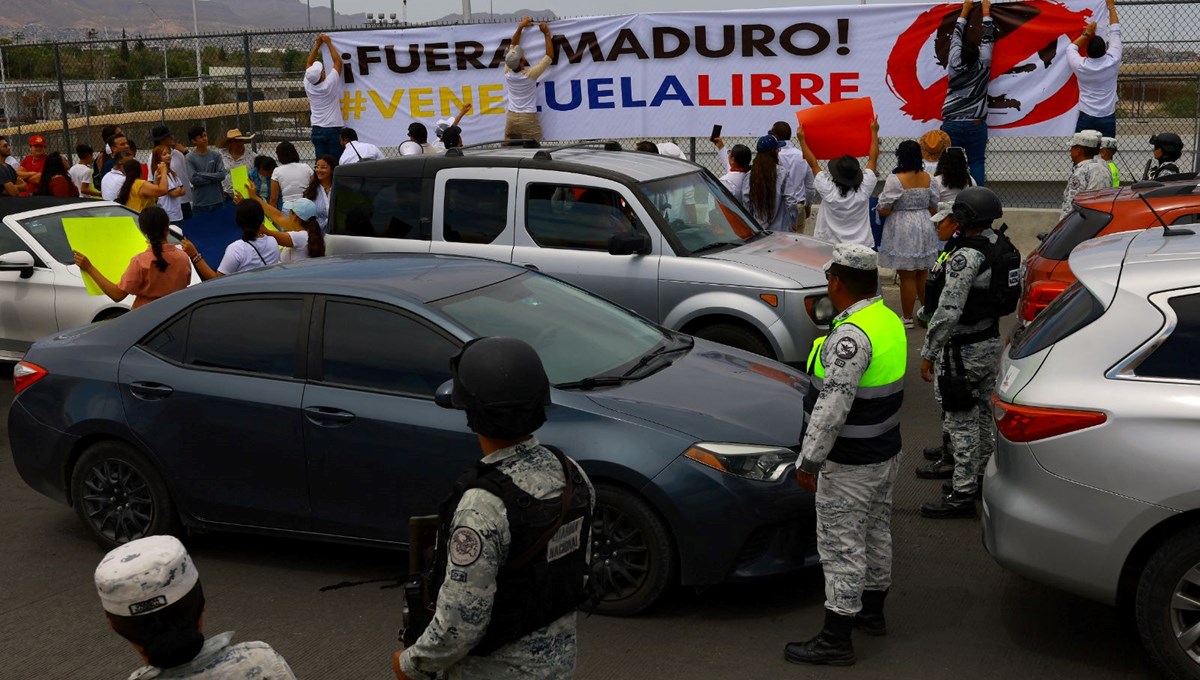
(760, 463)
(820, 309)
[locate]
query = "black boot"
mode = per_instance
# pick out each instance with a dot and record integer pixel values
(942, 468)
(831, 647)
(936, 452)
(949, 507)
(870, 620)
(948, 488)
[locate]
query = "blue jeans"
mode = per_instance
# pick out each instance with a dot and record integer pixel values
(1106, 125)
(972, 136)
(327, 140)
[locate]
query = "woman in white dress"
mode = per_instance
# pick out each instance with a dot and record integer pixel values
(910, 242)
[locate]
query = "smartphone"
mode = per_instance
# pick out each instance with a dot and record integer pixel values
(715, 133)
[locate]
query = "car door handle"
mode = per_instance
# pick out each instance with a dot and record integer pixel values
(150, 391)
(532, 266)
(327, 417)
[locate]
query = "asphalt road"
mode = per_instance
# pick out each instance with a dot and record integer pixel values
(333, 611)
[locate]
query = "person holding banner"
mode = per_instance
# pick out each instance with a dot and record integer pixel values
(845, 191)
(964, 113)
(160, 270)
(521, 80)
(763, 192)
(251, 251)
(324, 89)
(301, 236)
(736, 163)
(1097, 75)
(910, 242)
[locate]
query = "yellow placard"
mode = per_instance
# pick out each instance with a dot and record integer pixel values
(109, 242)
(239, 177)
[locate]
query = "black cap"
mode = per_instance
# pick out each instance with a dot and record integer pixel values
(159, 133)
(502, 385)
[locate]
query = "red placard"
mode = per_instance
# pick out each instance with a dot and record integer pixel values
(839, 128)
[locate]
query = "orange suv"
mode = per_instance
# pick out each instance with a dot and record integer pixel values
(1099, 213)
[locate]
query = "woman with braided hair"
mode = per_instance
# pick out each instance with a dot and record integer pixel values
(159, 270)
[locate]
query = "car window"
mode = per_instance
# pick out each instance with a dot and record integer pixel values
(577, 335)
(47, 230)
(475, 210)
(385, 207)
(699, 212)
(1176, 356)
(1070, 312)
(11, 243)
(379, 349)
(170, 341)
(1082, 224)
(253, 336)
(1193, 218)
(580, 217)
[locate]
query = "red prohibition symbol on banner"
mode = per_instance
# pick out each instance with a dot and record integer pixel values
(1023, 30)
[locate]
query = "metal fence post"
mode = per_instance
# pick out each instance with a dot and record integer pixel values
(692, 153)
(162, 104)
(62, 103)
(1196, 130)
(249, 89)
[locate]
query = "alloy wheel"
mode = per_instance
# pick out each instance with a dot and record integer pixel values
(117, 501)
(620, 554)
(1185, 613)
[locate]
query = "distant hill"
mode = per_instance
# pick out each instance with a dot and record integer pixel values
(59, 18)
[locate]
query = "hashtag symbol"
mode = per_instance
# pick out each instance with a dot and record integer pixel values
(353, 104)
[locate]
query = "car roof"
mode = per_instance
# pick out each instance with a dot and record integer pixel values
(620, 166)
(416, 277)
(15, 206)
(1169, 195)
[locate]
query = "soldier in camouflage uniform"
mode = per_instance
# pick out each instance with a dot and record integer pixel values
(1090, 171)
(852, 440)
(972, 433)
(503, 387)
(152, 596)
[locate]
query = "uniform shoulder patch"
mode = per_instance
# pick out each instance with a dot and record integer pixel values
(958, 262)
(465, 546)
(845, 348)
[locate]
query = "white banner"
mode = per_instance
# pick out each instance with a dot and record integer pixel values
(678, 74)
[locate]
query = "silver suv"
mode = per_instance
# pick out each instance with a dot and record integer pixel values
(657, 235)
(1095, 485)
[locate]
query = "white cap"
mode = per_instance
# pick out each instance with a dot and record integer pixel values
(313, 73)
(513, 58)
(1089, 138)
(144, 576)
(671, 149)
(855, 256)
(1108, 143)
(441, 126)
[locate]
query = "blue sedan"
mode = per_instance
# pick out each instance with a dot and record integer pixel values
(302, 400)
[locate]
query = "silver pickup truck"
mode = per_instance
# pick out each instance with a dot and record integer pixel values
(657, 235)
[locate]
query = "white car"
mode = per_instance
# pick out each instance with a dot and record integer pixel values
(41, 289)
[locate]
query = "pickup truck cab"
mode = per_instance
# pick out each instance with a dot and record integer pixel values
(657, 235)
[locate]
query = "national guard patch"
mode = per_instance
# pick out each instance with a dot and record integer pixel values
(465, 546)
(959, 263)
(565, 540)
(845, 348)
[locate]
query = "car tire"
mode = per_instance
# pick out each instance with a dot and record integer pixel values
(737, 336)
(1169, 581)
(119, 496)
(633, 557)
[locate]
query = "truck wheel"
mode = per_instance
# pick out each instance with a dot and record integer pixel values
(737, 336)
(633, 558)
(1167, 606)
(119, 495)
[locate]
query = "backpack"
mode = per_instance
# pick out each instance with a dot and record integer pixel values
(1004, 261)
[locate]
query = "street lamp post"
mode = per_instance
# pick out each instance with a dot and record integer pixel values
(199, 71)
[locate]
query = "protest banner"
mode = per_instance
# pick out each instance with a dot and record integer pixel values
(678, 74)
(109, 242)
(838, 128)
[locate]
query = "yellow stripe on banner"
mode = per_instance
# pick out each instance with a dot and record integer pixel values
(109, 242)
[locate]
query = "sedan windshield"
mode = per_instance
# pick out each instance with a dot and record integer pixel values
(699, 212)
(577, 335)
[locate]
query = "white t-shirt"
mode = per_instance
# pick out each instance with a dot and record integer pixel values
(242, 256)
(845, 219)
(299, 249)
(110, 184)
(1098, 77)
(735, 181)
(359, 151)
(13, 161)
(324, 98)
(522, 89)
(172, 204)
(800, 177)
(180, 167)
(293, 179)
(81, 175)
(322, 202)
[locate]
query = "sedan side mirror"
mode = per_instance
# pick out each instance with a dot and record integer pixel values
(442, 396)
(629, 244)
(18, 261)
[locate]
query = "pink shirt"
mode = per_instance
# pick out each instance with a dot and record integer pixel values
(143, 280)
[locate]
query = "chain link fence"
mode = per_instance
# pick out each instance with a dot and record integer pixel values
(69, 91)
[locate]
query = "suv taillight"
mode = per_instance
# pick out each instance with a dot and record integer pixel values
(1019, 423)
(26, 374)
(1041, 294)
